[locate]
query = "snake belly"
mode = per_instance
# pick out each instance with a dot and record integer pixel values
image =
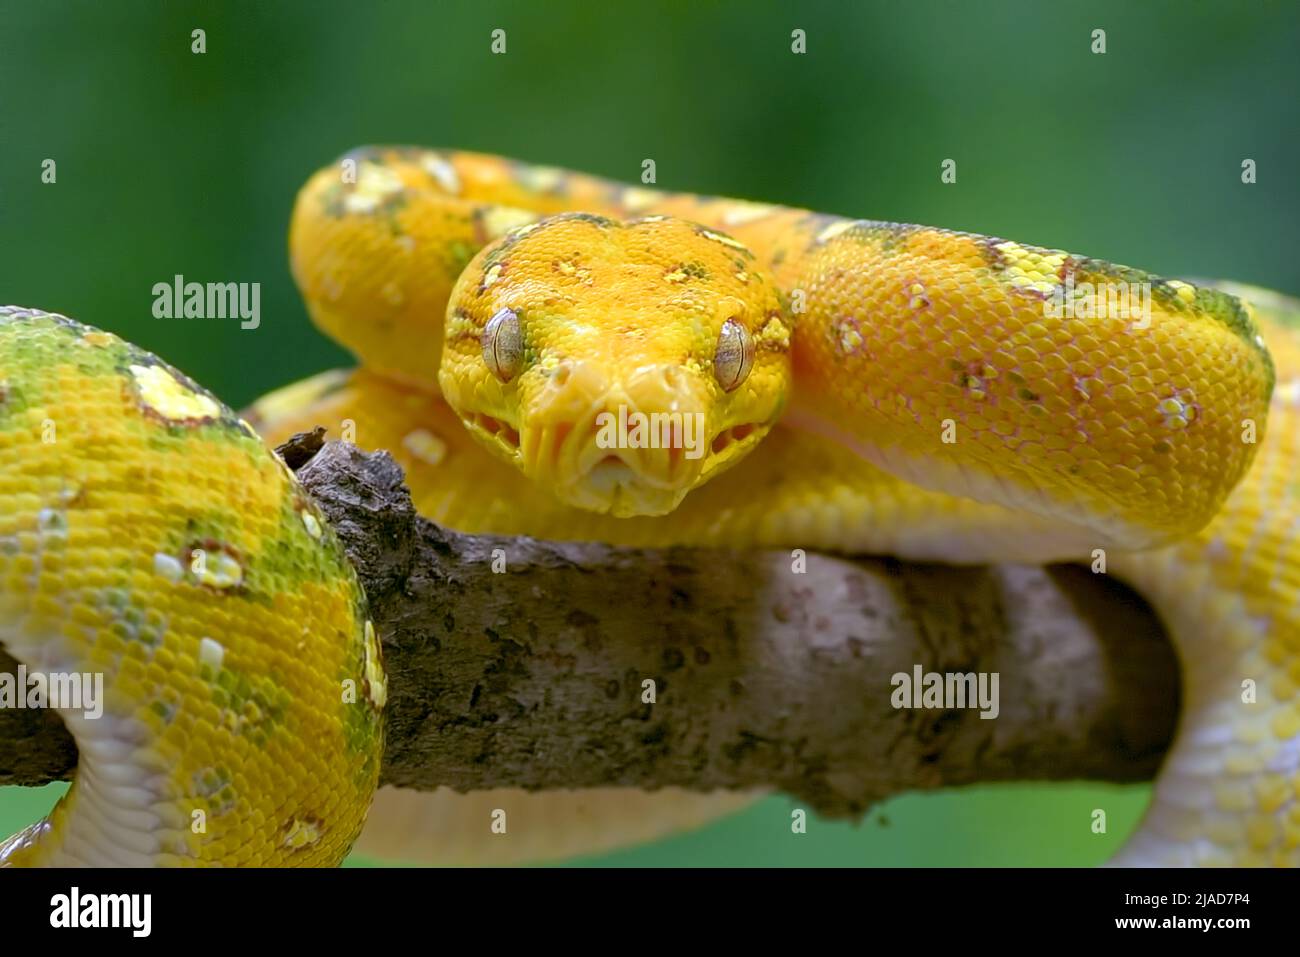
(152, 547)
(1076, 434)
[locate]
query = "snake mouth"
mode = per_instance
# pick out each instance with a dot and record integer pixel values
(496, 432)
(728, 446)
(731, 436)
(614, 486)
(628, 479)
(580, 466)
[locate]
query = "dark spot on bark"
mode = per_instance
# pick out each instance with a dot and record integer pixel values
(738, 750)
(673, 659)
(578, 618)
(702, 657)
(656, 735)
(730, 632)
(301, 447)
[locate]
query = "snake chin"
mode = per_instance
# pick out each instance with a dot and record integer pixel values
(623, 480)
(626, 483)
(614, 487)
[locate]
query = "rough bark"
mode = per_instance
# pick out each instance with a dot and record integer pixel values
(534, 676)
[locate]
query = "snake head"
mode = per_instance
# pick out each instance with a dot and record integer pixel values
(620, 365)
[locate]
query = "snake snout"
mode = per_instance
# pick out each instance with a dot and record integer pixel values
(630, 443)
(571, 390)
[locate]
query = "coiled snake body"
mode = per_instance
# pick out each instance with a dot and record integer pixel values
(856, 386)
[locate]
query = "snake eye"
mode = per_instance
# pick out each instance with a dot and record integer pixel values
(503, 345)
(734, 356)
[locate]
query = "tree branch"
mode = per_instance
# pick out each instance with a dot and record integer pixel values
(763, 678)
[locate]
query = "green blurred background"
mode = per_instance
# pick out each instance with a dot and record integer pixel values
(170, 162)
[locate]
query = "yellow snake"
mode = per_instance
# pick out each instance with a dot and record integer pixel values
(147, 535)
(858, 386)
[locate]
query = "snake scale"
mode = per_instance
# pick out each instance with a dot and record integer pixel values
(860, 387)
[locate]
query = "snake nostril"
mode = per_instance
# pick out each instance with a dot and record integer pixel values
(673, 378)
(661, 387)
(572, 386)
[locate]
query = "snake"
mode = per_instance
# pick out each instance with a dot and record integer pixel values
(822, 382)
(149, 537)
